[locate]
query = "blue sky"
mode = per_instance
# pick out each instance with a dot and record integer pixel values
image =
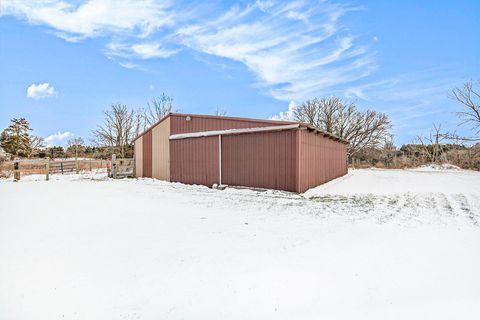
(62, 63)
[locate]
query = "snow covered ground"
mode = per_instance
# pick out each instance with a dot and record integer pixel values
(375, 244)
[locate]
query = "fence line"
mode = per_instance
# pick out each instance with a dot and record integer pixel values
(119, 167)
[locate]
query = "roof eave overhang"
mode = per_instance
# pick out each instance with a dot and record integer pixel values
(233, 131)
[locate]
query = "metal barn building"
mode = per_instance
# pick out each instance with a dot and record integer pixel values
(207, 150)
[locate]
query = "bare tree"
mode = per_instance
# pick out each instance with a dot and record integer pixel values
(140, 121)
(469, 97)
(363, 129)
(74, 145)
(220, 112)
(37, 143)
(118, 128)
(432, 145)
(389, 152)
(157, 109)
(75, 142)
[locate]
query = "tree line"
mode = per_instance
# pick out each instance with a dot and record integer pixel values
(114, 135)
(368, 131)
(371, 140)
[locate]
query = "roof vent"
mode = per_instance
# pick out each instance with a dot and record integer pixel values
(188, 118)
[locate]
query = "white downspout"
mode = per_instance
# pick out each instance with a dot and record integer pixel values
(219, 159)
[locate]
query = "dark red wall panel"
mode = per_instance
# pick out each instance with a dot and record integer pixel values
(179, 124)
(292, 160)
(262, 160)
(321, 159)
(147, 154)
(194, 161)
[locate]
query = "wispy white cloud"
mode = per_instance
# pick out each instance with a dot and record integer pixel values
(264, 5)
(425, 85)
(92, 18)
(129, 65)
(58, 138)
(41, 91)
(145, 50)
(151, 50)
(295, 49)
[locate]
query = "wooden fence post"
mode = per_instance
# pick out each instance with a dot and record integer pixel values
(76, 158)
(48, 169)
(134, 168)
(114, 166)
(16, 173)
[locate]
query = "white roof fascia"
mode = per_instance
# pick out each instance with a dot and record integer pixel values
(232, 131)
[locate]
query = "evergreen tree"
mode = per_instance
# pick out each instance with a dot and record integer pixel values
(16, 139)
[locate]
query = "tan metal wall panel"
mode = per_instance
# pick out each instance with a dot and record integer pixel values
(320, 160)
(194, 161)
(147, 154)
(138, 157)
(179, 124)
(262, 160)
(161, 150)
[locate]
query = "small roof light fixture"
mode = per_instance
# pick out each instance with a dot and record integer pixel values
(188, 118)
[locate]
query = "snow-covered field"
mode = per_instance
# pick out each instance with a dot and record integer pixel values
(375, 244)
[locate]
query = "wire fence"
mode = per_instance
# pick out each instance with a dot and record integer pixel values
(22, 167)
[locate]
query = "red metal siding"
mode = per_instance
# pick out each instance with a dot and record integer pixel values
(179, 124)
(262, 160)
(147, 154)
(320, 159)
(194, 161)
(293, 160)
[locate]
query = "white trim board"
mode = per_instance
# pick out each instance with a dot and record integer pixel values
(232, 131)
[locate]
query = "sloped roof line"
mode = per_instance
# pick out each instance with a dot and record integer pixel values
(280, 122)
